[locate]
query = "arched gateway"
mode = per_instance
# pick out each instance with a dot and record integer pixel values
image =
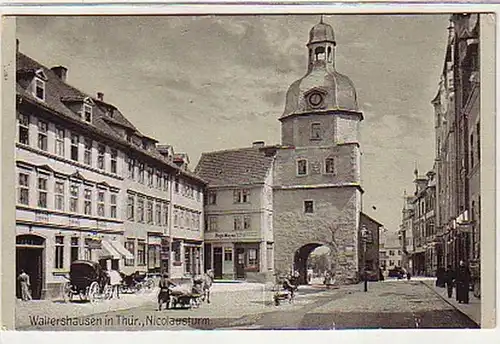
(317, 192)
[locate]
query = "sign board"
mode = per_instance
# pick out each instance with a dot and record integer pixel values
(232, 235)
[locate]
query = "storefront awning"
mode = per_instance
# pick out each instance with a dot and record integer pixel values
(121, 250)
(107, 251)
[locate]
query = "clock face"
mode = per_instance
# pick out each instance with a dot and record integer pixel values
(315, 99)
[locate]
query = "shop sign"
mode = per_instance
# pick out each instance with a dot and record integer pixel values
(232, 235)
(41, 217)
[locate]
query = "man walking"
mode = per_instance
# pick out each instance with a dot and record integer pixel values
(115, 281)
(449, 277)
(463, 283)
(24, 283)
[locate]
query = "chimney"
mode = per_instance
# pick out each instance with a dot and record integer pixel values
(61, 72)
(100, 96)
(258, 144)
(17, 45)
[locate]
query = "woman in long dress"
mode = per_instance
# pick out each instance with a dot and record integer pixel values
(24, 282)
(462, 283)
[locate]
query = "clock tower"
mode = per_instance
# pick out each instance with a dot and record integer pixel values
(317, 184)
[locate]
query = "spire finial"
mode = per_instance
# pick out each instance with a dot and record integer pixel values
(321, 19)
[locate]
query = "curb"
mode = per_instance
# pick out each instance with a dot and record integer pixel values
(451, 304)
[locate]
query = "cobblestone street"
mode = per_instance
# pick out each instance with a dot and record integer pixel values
(391, 304)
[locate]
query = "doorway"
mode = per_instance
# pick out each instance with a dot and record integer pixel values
(218, 262)
(30, 258)
(240, 263)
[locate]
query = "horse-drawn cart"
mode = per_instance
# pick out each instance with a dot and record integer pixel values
(88, 280)
(136, 282)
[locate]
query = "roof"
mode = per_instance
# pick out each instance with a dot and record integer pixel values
(104, 115)
(244, 166)
(371, 219)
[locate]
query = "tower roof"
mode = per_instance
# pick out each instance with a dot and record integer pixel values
(321, 32)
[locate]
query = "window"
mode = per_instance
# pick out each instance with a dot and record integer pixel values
(141, 253)
(315, 131)
(101, 203)
(60, 141)
(140, 209)
(308, 207)
(241, 196)
(269, 257)
(158, 214)
(101, 150)
(301, 167)
(75, 249)
(74, 146)
(87, 249)
(130, 208)
(391, 253)
(228, 254)
(87, 153)
(329, 165)
(246, 222)
(165, 215)
(130, 246)
(150, 176)
(149, 214)
(252, 257)
(131, 168)
(59, 254)
(399, 252)
(212, 197)
(114, 163)
(42, 135)
(391, 262)
(176, 189)
(42, 192)
(113, 207)
(176, 218)
(23, 188)
(176, 248)
(237, 223)
(165, 182)
(87, 203)
(24, 128)
(39, 89)
(187, 259)
(74, 190)
(59, 194)
(87, 113)
(212, 223)
(158, 179)
(141, 172)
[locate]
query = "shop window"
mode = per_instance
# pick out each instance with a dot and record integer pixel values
(252, 257)
(59, 252)
(176, 248)
(75, 249)
(130, 246)
(228, 254)
(141, 253)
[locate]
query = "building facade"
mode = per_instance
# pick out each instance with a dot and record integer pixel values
(91, 186)
(458, 145)
(239, 242)
(406, 233)
(391, 254)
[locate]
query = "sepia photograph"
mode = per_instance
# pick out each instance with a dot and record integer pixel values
(250, 172)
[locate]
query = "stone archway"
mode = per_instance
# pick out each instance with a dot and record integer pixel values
(300, 260)
(30, 257)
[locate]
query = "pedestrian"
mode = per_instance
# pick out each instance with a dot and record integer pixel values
(408, 275)
(24, 283)
(449, 279)
(115, 279)
(440, 272)
(164, 292)
(380, 274)
(462, 283)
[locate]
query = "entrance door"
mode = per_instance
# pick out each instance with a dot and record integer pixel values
(218, 262)
(240, 263)
(31, 261)
(208, 256)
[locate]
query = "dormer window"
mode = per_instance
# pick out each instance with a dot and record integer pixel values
(39, 85)
(87, 113)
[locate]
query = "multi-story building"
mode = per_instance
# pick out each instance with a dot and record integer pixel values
(390, 252)
(458, 145)
(239, 225)
(91, 186)
(406, 233)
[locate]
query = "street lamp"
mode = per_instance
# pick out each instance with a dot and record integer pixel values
(366, 237)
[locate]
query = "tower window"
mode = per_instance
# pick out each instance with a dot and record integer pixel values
(319, 52)
(329, 55)
(329, 165)
(316, 131)
(308, 207)
(301, 167)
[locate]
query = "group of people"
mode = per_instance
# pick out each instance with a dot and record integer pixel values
(459, 279)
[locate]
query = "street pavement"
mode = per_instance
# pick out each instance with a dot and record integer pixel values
(387, 305)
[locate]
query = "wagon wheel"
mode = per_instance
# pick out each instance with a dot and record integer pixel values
(149, 284)
(139, 288)
(66, 292)
(93, 292)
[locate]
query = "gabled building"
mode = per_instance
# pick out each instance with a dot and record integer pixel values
(91, 186)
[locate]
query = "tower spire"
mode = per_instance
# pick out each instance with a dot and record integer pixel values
(321, 19)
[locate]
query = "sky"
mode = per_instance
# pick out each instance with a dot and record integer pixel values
(206, 83)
